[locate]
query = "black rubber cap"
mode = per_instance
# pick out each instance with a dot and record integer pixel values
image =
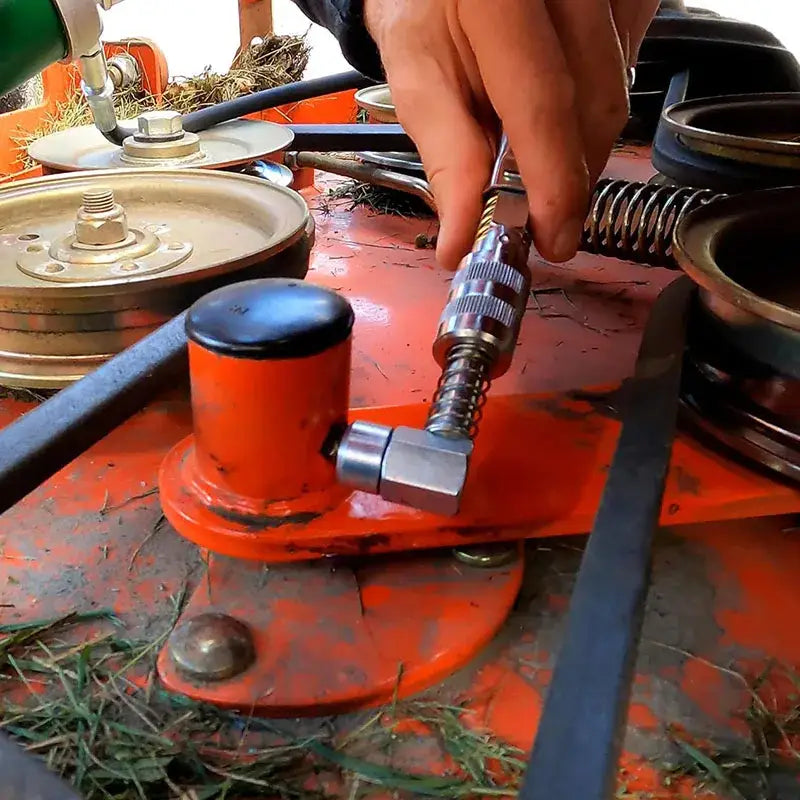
(270, 319)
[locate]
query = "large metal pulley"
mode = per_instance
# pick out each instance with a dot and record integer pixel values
(91, 262)
(160, 142)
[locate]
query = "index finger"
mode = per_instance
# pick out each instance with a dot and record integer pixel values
(530, 86)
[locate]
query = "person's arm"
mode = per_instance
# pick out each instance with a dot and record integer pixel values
(345, 20)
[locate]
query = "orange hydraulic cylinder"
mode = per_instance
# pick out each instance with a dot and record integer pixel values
(260, 426)
(270, 370)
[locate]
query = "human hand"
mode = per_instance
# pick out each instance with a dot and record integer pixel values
(553, 71)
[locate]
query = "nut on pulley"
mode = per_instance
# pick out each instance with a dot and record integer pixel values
(102, 246)
(161, 137)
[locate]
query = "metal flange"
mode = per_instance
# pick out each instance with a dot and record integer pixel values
(91, 262)
(226, 145)
(740, 251)
(759, 129)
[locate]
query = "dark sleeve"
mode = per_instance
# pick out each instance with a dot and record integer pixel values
(345, 20)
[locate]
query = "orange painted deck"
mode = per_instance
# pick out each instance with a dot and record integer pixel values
(724, 593)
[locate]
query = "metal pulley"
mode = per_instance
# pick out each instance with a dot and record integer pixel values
(92, 262)
(161, 142)
(759, 129)
(377, 102)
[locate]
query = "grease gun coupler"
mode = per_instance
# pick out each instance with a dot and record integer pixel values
(427, 468)
(480, 323)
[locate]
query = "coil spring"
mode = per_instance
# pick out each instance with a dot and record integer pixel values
(486, 218)
(457, 406)
(637, 221)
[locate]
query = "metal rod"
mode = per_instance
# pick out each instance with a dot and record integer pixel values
(577, 747)
(47, 438)
(366, 173)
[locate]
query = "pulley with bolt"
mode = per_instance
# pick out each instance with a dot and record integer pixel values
(102, 246)
(160, 141)
(161, 137)
(91, 262)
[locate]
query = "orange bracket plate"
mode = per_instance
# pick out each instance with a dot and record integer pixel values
(548, 483)
(334, 637)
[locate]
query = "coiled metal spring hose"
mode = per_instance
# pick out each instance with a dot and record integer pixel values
(636, 221)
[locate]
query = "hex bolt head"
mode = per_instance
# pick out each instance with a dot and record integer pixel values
(159, 125)
(211, 647)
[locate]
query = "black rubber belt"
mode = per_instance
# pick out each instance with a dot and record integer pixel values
(379, 138)
(578, 744)
(25, 777)
(35, 446)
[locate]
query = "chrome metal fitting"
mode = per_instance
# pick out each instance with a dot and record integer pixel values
(425, 471)
(404, 465)
(490, 290)
(98, 88)
(82, 25)
(159, 126)
(488, 297)
(359, 456)
(123, 69)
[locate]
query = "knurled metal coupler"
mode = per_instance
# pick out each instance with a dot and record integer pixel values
(478, 331)
(480, 324)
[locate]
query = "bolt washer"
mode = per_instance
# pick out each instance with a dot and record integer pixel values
(487, 556)
(144, 253)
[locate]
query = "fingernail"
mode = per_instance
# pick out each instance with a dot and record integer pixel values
(568, 239)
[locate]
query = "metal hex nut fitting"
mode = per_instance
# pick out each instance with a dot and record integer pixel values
(106, 229)
(425, 471)
(124, 70)
(156, 125)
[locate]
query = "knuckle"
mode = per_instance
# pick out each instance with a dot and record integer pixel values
(616, 108)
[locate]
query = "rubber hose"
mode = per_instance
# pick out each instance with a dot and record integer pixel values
(206, 118)
(118, 135)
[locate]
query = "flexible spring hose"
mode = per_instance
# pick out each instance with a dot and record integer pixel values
(230, 110)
